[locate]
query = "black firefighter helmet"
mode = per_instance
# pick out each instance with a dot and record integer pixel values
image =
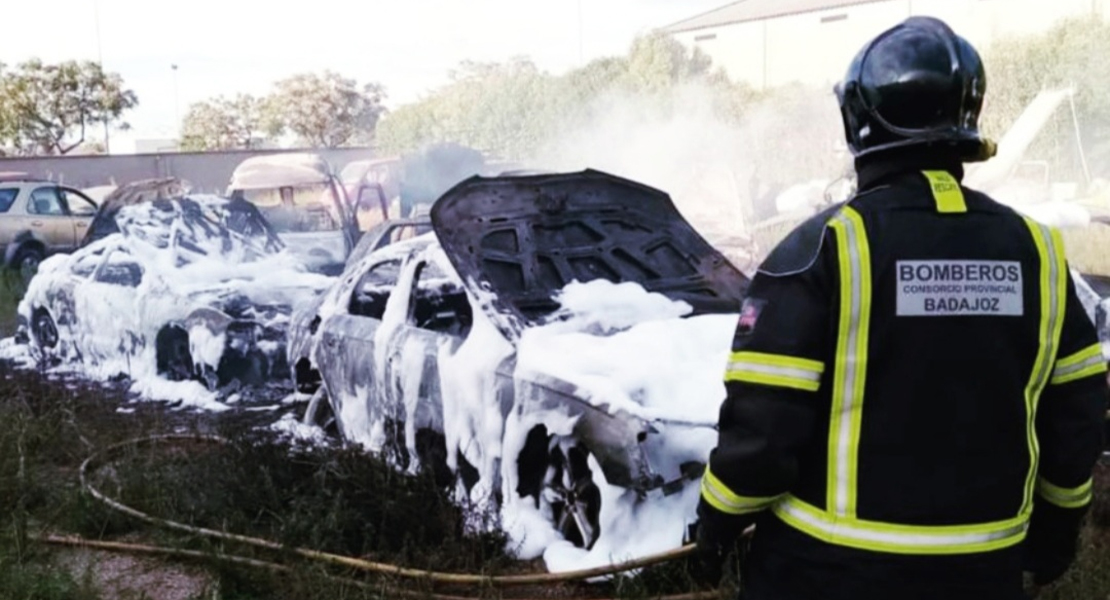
(917, 84)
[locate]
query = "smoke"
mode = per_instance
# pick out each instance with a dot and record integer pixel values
(723, 163)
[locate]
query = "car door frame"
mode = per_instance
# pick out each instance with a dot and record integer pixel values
(337, 332)
(80, 222)
(50, 229)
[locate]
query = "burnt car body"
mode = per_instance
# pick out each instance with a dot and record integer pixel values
(188, 288)
(305, 204)
(423, 334)
(137, 192)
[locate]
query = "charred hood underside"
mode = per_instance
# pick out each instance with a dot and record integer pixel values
(526, 237)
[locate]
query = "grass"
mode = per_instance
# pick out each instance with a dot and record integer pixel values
(336, 500)
(12, 288)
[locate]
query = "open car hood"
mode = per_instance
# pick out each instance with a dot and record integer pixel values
(518, 240)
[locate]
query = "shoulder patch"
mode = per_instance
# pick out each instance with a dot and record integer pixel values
(749, 315)
(800, 248)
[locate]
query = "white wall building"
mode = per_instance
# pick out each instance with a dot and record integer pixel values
(772, 42)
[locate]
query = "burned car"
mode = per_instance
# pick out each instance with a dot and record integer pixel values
(554, 347)
(192, 288)
(136, 192)
(305, 203)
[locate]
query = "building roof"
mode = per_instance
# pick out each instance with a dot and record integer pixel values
(757, 10)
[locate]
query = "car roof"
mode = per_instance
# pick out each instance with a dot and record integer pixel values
(19, 177)
(280, 170)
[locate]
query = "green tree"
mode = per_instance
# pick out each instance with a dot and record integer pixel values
(51, 107)
(492, 106)
(512, 108)
(327, 110)
(657, 62)
(1071, 54)
(225, 123)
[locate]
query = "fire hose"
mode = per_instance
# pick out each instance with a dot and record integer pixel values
(104, 455)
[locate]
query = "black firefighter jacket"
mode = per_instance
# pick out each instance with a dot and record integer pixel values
(913, 379)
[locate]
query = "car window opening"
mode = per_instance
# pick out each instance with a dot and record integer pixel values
(438, 304)
(373, 290)
(7, 196)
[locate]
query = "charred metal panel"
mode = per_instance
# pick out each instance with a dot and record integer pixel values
(526, 237)
(137, 192)
(613, 437)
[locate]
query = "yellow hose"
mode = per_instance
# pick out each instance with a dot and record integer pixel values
(435, 577)
(80, 542)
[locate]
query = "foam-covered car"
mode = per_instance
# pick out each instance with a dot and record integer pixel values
(554, 346)
(189, 288)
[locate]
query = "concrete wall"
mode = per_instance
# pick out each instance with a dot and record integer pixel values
(816, 48)
(206, 171)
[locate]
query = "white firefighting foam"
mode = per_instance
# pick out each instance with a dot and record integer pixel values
(622, 349)
(107, 328)
(625, 349)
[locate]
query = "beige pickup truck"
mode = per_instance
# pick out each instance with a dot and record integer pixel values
(39, 218)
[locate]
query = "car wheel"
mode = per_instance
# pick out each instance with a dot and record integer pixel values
(26, 261)
(321, 414)
(575, 498)
(43, 329)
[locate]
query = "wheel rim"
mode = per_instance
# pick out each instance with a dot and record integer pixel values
(578, 500)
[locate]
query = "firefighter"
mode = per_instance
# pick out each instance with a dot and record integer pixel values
(915, 393)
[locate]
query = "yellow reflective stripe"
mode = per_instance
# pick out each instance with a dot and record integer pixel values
(775, 369)
(854, 256)
(1053, 287)
(1092, 351)
(897, 538)
(778, 360)
(1085, 363)
(1076, 497)
(946, 191)
(783, 381)
(1096, 369)
(725, 500)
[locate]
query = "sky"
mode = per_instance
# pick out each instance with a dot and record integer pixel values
(223, 47)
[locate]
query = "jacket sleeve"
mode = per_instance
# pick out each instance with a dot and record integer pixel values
(1069, 426)
(775, 370)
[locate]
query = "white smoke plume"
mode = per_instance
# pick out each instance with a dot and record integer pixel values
(724, 173)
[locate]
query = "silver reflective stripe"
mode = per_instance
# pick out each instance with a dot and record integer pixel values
(906, 537)
(1064, 371)
(1049, 341)
(851, 366)
(791, 372)
(707, 488)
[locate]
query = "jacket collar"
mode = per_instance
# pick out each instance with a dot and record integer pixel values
(873, 171)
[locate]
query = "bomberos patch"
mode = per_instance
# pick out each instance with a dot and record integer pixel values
(945, 288)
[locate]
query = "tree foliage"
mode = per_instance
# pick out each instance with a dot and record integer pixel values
(327, 110)
(511, 108)
(225, 123)
(1071, 54)
(49, 108)
(322, 110)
